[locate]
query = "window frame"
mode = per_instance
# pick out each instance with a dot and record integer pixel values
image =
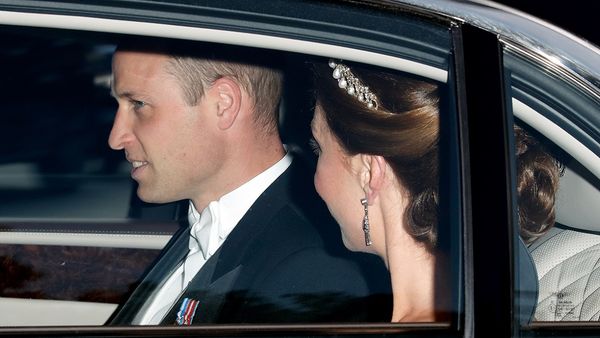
(481, 311)
(566, 116)
(488, 203)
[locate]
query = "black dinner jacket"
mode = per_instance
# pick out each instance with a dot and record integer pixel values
(283, 262)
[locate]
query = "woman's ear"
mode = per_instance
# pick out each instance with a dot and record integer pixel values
(372, 175)
(229, 97)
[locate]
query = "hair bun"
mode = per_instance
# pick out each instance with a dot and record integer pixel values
(537, 183)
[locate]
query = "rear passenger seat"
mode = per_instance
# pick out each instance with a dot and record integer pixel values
(567, 258)
(568, 267)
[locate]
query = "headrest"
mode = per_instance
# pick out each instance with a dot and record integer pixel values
(578, 200)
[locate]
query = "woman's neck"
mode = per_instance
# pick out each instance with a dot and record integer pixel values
(412, 271)
(419, 277)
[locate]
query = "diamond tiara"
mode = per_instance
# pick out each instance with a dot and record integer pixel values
(353, 86)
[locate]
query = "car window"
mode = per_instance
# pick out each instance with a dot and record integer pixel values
(68, 240)
(560, 112)
(54, 120)
(74, 235)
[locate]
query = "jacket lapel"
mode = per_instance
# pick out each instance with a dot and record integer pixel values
(216, 294)
(173, 254)
(249, 228)
(221, 274)
(222, 278)
(210, 295)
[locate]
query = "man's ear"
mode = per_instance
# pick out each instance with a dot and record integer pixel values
(229, 100)
(372, 175)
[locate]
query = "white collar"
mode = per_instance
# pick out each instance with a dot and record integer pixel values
(219, 218)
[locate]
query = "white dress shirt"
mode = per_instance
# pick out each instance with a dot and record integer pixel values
(208, 231)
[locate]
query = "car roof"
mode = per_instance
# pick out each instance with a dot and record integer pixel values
(575, 54)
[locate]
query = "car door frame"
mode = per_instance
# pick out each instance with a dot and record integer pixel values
(484, 153)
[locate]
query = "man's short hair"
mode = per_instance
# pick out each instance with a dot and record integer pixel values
(198, 65)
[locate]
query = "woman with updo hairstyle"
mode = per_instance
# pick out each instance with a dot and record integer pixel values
(376, 133)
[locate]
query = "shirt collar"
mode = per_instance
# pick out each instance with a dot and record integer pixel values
(219, 218)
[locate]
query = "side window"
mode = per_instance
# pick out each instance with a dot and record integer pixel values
(55, 118)
(364, 227)
(67, 239)
(559, 212)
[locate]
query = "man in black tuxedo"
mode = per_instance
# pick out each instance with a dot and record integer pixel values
(203, 127)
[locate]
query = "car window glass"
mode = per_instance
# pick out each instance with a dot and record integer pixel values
(60, 183)
(560, 115)
(68, 240)
(56, 114)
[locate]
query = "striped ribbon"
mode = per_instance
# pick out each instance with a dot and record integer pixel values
(186, 313)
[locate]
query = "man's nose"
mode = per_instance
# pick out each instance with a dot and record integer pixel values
(120, 134)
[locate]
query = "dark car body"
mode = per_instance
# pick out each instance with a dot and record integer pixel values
(70, 222)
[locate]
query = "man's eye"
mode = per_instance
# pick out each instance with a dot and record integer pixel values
(138, 104)
(314, 146)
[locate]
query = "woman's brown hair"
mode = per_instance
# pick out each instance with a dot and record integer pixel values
(537, 183)
(404, 129)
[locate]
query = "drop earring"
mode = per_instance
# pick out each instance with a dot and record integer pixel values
(366, 228)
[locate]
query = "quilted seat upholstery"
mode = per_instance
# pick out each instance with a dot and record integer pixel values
(568, 266)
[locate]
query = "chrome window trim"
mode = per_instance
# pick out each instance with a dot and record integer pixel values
(575, 53)
(218, 36)
(552, 64)
(107, 240)
(557, 135)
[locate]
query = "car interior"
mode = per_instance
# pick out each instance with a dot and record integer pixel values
(566, 257)
(565, 260)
